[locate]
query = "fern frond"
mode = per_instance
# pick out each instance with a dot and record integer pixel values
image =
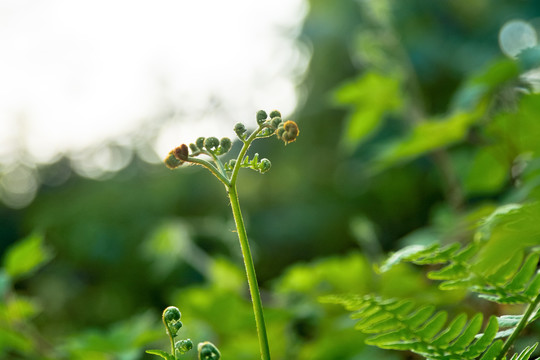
(515, 281)
(526, 353)
(400, 325)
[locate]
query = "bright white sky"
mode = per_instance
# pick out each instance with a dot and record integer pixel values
(76, 72)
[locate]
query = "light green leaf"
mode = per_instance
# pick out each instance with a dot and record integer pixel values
(26, 256)
(429, 136)
(525, 274)
(433, 326)
(468, 335)
(493, 351)
(484, 339)
(452, 331)
(510, 229)
(400, 255)
(525, 354)
(371, 96)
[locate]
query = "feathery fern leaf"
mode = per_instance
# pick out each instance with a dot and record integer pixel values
(515, 281)
(400, 325)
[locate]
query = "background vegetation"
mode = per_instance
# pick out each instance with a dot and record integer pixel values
(414, 127)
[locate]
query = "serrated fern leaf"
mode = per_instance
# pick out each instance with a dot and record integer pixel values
(525, 354)
(515, 281)
(399, 325)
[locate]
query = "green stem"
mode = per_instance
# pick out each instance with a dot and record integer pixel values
(520, 326)
(250, 270)
(247, 144)
(171, 337)
(212, 169)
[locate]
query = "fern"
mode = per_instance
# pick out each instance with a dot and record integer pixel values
(400, 325)
(515, 281)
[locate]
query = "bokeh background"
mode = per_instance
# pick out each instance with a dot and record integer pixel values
(395, 101)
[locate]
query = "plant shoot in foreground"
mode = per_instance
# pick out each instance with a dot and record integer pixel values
(211, 148)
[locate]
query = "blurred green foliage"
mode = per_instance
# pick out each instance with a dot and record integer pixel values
(413, 129)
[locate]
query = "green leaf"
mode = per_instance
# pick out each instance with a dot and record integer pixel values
(488, 172)
(26, 256)
(429, 136)
(371, 96)
(534, 286)
(481, 86)
(451, 272)
(510, 230)
(452, 332)
(468, 335)
(420, 316)
(509, 320)
(161, 353)
(484, 339)
(400, 255)
(493, 351)
(433, 326)
(524, 275)
(507, 269)
(525, 354)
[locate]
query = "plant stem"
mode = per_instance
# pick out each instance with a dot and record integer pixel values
(520, 326)
(221, 177)
(247, 144)
(250, 270)
(171, 337)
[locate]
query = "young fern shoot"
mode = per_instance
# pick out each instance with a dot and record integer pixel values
(227, 173)
(171, 320)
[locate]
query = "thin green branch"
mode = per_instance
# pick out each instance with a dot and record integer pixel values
(247, 144)
(169, 332)
(251, 275)
(221, 176)
(520, 326)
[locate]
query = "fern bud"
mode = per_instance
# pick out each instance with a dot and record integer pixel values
(261, 117)
(171, 314)
(274, 113)
(240, 130)
(225, 144)
(200, 142)
(208, 351)
(275, 122)
(288, 131)
(211, 143)
(229, 165)
(181, 152)
(264, 165)
(193, 148)
(183, 346)
(171, 161)
(177, 325)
